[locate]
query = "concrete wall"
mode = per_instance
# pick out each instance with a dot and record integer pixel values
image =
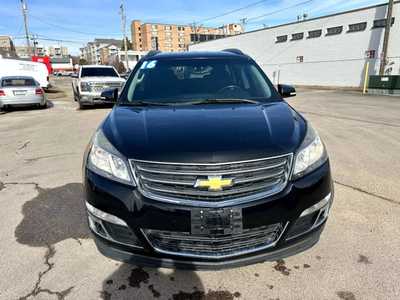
(337, 60)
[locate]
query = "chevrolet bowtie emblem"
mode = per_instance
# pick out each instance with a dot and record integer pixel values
(214, 183)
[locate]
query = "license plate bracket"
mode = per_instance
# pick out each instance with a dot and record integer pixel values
(220, 221)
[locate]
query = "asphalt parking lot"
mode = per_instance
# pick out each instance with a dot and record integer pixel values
(46, 251)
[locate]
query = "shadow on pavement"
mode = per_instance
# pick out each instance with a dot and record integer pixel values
(132, 282)
(25, 108)
(52, 216)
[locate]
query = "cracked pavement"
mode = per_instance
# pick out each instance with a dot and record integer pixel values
(46, 251)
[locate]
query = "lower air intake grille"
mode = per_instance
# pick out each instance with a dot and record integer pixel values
(220, 246)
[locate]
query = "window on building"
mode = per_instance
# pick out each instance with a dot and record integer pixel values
(167, 27)
(370, 53)
(381, 23)
(297, 36)
(281, 39)
(334, 30)
(357, 27)
(181, 28)
(314, 34)
(300, 58)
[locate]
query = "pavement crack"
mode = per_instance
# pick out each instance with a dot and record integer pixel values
(24, 145)
(3, 185)
(368, 193)
(351, 119)
(37, 289)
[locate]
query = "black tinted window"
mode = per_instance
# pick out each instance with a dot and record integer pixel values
(198, 79)
(105, 72)
(18, 82)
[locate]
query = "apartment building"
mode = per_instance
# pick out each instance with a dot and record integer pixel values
(332, 50)
(41, 50)
(171, 37)
(7, 48)
(98, 51)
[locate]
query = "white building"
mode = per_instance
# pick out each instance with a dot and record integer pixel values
(331, 50)
(133, 58)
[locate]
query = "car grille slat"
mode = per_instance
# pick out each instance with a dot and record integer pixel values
(251, 180)
(195, 192)
(207, 173)
(218, 246)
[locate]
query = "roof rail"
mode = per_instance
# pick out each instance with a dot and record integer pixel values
(152, 53)
(233, 50)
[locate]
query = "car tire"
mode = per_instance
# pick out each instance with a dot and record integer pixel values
(74, 93)
(81, 105)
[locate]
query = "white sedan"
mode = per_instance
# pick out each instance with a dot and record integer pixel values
(21, 90)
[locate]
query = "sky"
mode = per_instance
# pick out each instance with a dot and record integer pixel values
(75, 22)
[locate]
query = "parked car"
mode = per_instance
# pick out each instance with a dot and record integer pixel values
(15, 67)
(21, 90)
(91, 81)
(202, 164)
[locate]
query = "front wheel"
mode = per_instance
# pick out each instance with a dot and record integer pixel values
(81, 105)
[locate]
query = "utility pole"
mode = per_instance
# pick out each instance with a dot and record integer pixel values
(244, 21)
(386, 38)
(194, 29)
(25, 14)
(123, 24)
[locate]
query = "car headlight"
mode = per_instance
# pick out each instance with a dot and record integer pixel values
(105, 160)
(311, 154)
(85, 87)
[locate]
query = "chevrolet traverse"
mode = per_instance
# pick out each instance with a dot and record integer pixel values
(201, 164)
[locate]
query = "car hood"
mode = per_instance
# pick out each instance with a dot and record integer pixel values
(102, 79)
(204, 133)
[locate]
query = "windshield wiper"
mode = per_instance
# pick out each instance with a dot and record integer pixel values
(222, 100)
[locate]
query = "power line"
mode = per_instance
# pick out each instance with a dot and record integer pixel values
(232, 11)
(69, 29)
(277, 11)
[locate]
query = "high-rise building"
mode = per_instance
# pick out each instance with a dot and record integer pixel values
(171, 37)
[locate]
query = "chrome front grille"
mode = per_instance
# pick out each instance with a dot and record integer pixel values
(99, 87)
(218, 246)
(176, 182)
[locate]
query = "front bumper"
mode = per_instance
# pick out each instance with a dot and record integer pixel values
(91, 98)
(139, 213)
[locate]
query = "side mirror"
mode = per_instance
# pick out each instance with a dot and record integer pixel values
(110, 95)
(286, 90)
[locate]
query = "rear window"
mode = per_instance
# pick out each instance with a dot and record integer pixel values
(103, 72)
(18, 82)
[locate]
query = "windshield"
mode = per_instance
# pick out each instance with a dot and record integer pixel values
(105, 72)
(188, 80)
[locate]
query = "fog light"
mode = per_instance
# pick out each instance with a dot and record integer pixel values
(317, 206)
(105, 216)
(311, 218)
(111, 227)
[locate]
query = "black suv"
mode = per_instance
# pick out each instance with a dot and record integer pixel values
(202, 164)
